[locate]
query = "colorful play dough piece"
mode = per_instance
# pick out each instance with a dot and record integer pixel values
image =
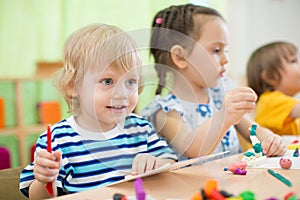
(285, 163)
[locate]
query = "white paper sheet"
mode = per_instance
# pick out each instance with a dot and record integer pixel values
(273, 162)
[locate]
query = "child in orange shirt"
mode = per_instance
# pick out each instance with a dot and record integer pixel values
(273, 72)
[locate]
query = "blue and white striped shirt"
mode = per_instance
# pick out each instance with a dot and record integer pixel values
(91, 160)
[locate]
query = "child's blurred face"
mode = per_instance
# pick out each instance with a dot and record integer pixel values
(107, 97)
(290, 76)
(210, 64)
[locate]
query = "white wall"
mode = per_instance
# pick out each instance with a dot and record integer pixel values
(253, 23)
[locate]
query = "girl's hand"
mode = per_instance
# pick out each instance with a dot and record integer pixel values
(238, 102)
(273, 144)
(146, 162)
(46, 166)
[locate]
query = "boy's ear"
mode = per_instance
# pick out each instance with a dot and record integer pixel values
(273, 81)
(178, 57)
(71, 91)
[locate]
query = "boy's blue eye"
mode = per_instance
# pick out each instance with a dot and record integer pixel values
(107, 81)
(294, 60)
(131, 82)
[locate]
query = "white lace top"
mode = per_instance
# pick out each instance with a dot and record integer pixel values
(195, 114)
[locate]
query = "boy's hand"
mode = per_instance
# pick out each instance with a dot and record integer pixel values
(146, 162)
(46, 166)
(238, 102)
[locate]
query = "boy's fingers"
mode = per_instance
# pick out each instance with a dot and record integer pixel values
(46, 159)
(134, 169)
(58, 156)
(141, 167)
(46, 171)
(150, 164)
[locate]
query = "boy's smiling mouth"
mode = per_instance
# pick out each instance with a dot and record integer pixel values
(117, 108)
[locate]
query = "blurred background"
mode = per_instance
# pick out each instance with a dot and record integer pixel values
(34, 31)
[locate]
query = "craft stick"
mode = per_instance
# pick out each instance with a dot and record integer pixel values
(194, 160)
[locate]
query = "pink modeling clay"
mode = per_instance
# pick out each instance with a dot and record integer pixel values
(285, 163)
(237, 168)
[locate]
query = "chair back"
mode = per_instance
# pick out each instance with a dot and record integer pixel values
(4, 158)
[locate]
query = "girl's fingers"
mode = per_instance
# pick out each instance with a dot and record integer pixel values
(244, 97)
(276, 147)
(243, 94)
(244, 105)
(244, 89)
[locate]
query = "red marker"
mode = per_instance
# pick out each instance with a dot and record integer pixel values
(50, 187)
(49, 138)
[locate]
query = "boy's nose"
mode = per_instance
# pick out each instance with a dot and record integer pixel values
(120, 91)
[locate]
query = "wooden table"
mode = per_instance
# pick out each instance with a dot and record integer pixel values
(183, 183)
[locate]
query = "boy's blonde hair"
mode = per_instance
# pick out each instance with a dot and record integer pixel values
(87, 49)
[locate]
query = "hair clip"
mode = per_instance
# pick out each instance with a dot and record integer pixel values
(159, 20)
